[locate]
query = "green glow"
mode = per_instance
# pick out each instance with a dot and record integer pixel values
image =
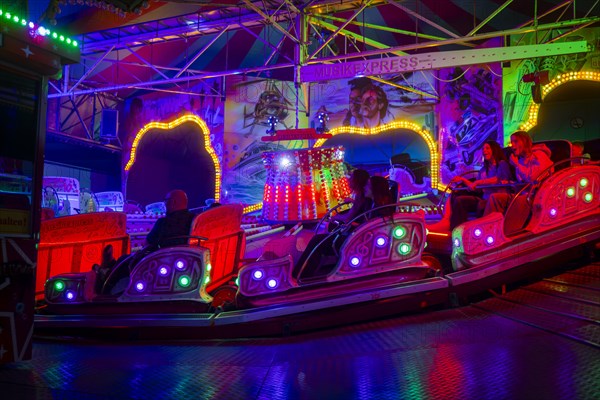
(588, 197)
(7, 15)
(75, 43)
(404, 248)
(207, 279)
(54, 35)
(583, 182)
(23, 22)
(62, 38)
(59, 285)
(399, 232)
(16, 19)
(571, 192)
(68, 40)
(184, 281)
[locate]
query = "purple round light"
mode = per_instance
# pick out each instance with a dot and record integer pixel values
(272, 283)
(163, 270)
(380, 241)
(477, 232)
(355, 261)
(70, 295)
(553, 212)
(456, 243)
(180, 265)
(489, 240)
(140, 286)
(257, 274)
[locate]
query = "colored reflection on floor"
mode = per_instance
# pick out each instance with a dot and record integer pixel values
(541, 341)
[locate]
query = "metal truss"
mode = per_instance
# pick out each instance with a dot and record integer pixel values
(320, 31)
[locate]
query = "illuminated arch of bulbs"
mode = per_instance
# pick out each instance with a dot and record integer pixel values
(402, 124)
(534, 108)
(170, 125)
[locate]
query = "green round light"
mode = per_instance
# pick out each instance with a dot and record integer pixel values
(75, 43)
(588, 197)
(184, 281)
(68, 40)
(1, 12)
(23, 22)
(54, 35)
(404, 248)
(583, 182)
(571, 192)
(207, 279)
(16, 19)
(399, 232)
(62, 38)
(7, 15)
(59, 285)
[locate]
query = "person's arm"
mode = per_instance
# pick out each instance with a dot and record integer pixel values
(153, 237)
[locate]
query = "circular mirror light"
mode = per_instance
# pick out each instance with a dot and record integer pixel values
(477, 232)
(399, 232)
(180, 264)
(70, 295)
(489, 240)
(355, 261)
(272, 283)
(588, 197)
(140, 286)
(380, 241)
(571, 192)
(184, 281)
(59, 285)
(163, 270)
(583, 182)
(257, 274)
(553, 212)
(404, 248)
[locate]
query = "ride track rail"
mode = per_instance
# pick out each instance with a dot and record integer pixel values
(543, 305)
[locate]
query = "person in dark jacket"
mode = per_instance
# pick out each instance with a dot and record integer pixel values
(172, 229)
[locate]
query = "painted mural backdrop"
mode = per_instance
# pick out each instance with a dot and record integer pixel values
(517, 94)
(206, 104)
(250, 103)
(469, 113)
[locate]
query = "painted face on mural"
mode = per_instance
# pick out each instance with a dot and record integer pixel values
(355, 101)
(370, 107)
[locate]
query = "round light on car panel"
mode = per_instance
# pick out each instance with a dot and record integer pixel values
(184, 281)
(553, 212)
(399, 232)
(588, 197)
(258, 274)
(477, 232)
(59, 286)
(380, 241)
(571, 192)
(180, 264)
(70, 295)
(489, 240)
(163, 270)
(355, 261)
(456, 243)
(140, 286)
(583, 182)
(272, 283)
(404, 248)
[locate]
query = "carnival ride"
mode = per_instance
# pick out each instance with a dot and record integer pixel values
(382, 267)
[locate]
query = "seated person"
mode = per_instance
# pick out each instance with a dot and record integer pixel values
(529, 162)
(382, 196)
(172, 229)
(578, 150)
(495, 170)
(362, 202)
(104, 269)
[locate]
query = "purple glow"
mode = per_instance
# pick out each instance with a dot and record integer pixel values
(70, 295)
(477, 232)
(163, 270)
(180, 265)
(31, 25)
(380, 241)
(272, 283)
(140, 286)
(355, 261)
(553, 212)
(489, 240)
(257, 274)
(456, 243)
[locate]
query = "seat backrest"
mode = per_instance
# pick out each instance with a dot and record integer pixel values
(226, 240)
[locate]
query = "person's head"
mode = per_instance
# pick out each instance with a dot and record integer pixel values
(521, 143)
(176, 200)
(492, 152)
(577, 149)
(374, 102)
(359, 180)
(380, 189)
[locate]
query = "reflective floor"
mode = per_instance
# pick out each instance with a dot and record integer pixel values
(540, 341)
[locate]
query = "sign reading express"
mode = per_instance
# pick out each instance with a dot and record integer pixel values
(444, 59)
